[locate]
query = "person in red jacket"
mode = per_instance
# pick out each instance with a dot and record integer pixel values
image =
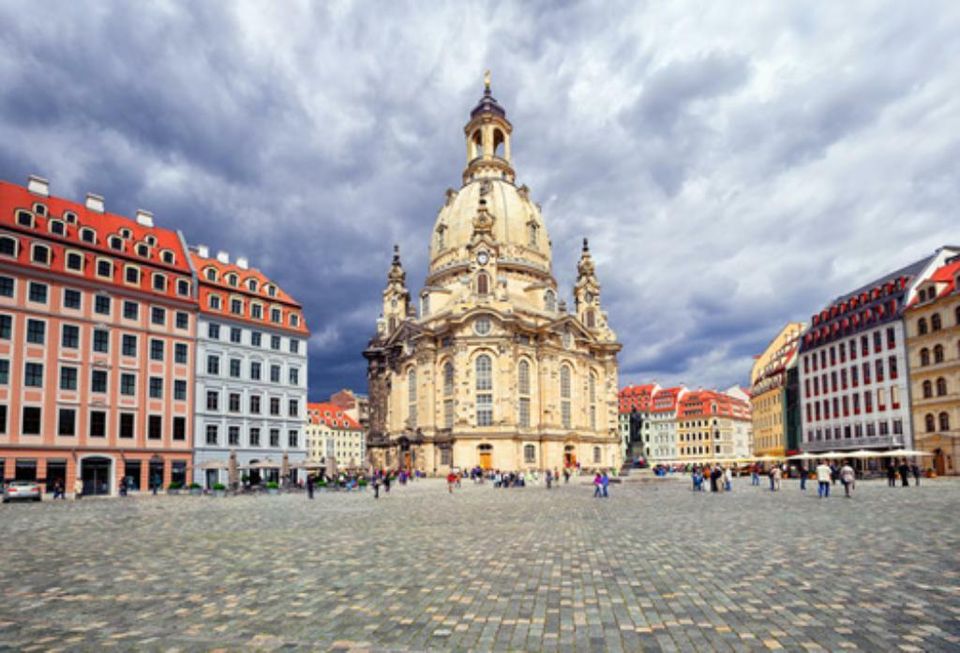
(451, 481)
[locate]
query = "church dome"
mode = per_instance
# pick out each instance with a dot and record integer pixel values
(489, 188)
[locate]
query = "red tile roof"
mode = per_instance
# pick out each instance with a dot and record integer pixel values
(945, 274)
(665, 400)
(708, 403)
(16, 199)
(242, 291)
(331, 415)
(637, 396)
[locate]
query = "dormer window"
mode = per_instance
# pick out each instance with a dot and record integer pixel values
(88, 235)
(39, 209)
(126, 234)
(167, 257)
(151, 240)
(57, 227)
(116, 243)
(143, 250)
(294, 320)
(24, 218)
(215, 302)
(272, 291)
(211, 274)
(70, 217)
(276, 315)
(232, 280)
(40, 254)
(252, 285)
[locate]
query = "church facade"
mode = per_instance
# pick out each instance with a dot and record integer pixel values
(494, 370)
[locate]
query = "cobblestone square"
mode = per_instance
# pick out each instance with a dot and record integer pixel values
(654, 567)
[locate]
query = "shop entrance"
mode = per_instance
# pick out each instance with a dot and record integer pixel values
(569, 456)
(486, 456)
(95, 473)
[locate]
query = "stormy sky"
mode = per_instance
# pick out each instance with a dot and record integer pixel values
(735, 165)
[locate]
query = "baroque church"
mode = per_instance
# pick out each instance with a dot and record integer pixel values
(494, 370)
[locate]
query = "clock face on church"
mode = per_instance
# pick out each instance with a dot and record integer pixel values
(482, 258)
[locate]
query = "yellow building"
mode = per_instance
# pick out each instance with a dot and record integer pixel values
(933, 345)
(712, 426)
(494, 370)
(773, 381)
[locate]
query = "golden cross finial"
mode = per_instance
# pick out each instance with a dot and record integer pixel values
(486, 80)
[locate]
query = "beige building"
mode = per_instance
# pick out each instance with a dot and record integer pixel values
(493, 370)
(933, 344)
(334, 438)
(769, 393)
(712, 426)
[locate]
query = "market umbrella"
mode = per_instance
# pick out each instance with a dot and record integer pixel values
(213, 464)
(833, 455)
(862, 453)
(233, 475)
(908, 452)
(806, 455)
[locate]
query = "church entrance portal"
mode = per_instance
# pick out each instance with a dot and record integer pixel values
(486, 456)
(569, 456)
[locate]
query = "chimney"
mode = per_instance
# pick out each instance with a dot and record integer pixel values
(223, 257)
(94, 202)
(203, 251)
(242, 263)
(144, 218)
(38, 185)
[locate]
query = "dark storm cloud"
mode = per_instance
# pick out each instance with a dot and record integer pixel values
(735, 167)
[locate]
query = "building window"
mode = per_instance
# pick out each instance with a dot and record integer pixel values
(233, 436)
(529, 453)
(101, 341)
(180, 353)
(274, 437)
(275, 315)
(483, 284)
(274, 405)
(294, 374)
(941, 387)
(256, 339)
(179, 428)
(128, 384)
(37, 292)
(274, 374)
(213, 400)
(922, 326)
(448, 413)
(254, 437)
(236, 306)
(155, 427)
(938, 354)
(30, 425)
(235, 368)
(68, 378)
(127, 421)
(596, 455)
(233, 402)
(212, 434)
(156, 350)
(213, 365)
(183, 320)
(255, 371)
(935, 324)
(412, 398)
(33, 375)
(484, 387)
(156, 387)
(294, 346)
(183, 287)
(275, 343)
(179, 390)
(236, 335)
(98, 424)
(944, 420)
(40, 254)
(158, 316)
(293, 439)
(160, 282)
(8, 246)
(214, 302)
(565, 396)
(36, 332)
(929, 423)
(255, 404)
(74, 261)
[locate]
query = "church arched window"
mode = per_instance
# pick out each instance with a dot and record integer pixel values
(484, 385)
(529, 453)
(550, 301)
(566, 396)
(477, 144)
(523, 389)
(448, 379)
(944, 421)
(532, 235)
(483, 284)
(592, 393)
(591, 319)
(498, 141)
(440, 239)
(412, 398)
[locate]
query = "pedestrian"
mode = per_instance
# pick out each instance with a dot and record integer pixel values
(834, 473)
(605, 483)
(597, 489)
(891, 475)
(803, 477)
(771, 474)
(697, 479)
(310, 486)
(78, 488)
(728, 479)
(904, 470)
(156, 485)
(823, 480)
(451, 481)
(847, 477)
(549, 479)
(915, 468)
(566, 475)
(777, 475)
(715, 475)
(376, 485)
(386, 482)
(58, 489)
(123, 486)
(755, 474)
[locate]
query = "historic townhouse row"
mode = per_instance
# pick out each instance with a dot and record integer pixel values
(100, 317)
(854, 368)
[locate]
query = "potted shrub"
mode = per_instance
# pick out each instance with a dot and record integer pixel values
(321, 483)
(219, 490)
(174, 487)
(195, 489)
(273, 487)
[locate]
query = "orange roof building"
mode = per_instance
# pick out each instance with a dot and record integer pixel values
(334, 438)
(712, 426)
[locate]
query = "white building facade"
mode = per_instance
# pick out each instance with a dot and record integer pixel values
(854, 385)
(251, 376)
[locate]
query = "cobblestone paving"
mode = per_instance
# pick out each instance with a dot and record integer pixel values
(654, 567)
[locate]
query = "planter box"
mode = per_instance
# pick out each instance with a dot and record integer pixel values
(196, 491)
(174, 492)
(271, 490)
(219, 493)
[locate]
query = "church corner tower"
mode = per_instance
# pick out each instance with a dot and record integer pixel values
(492, 371)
